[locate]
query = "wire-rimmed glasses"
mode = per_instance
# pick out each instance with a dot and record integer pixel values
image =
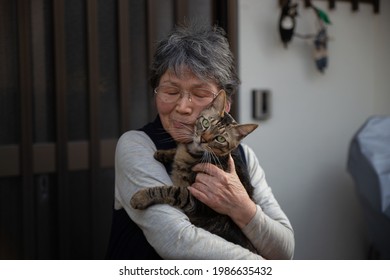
(172, 94)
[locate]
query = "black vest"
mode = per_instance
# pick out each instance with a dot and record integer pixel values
(127, 240)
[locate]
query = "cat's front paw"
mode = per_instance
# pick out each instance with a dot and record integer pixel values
(159, 156)
(165, 156)
(140, 200)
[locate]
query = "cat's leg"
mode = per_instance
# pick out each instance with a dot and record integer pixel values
(174, 196)
(165, 156)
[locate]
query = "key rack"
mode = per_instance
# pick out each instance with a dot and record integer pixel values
(354, 4)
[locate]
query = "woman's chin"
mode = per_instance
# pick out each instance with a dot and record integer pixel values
(182, 139)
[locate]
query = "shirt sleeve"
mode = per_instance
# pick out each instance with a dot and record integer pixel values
(270, 230)
(166, 228)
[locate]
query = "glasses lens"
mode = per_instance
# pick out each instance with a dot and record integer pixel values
(202, 96)
(168, 94)
(199, 96)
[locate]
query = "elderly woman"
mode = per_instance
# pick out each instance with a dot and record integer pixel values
(191, 66)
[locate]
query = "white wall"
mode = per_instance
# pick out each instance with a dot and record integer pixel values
(303, 147)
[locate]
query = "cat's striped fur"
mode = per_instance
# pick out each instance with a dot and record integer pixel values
(216, 136)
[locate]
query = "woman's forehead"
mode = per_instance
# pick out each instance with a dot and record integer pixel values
(184, 74)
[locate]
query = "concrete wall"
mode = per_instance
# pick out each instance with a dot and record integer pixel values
(303, 147)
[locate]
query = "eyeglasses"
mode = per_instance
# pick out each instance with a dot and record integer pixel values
(172, 94)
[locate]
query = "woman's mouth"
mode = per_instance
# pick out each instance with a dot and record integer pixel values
(180, 125)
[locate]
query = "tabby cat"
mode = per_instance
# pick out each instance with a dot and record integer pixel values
(216, 135)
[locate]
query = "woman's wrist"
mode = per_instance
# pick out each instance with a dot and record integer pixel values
(244, 215)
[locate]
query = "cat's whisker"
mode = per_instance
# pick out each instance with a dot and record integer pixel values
(181, 135)
(204, 159)
(216, 160)
(208, 157)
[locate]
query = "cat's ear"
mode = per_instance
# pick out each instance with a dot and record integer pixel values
(219, 102)
(244, 129)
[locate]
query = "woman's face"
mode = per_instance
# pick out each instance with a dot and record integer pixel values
(178, 118)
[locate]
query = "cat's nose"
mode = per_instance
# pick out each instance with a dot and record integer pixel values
(206, 137)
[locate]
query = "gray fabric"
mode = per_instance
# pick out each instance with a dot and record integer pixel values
(369, 162)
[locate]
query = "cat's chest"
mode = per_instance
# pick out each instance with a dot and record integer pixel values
(183, 163)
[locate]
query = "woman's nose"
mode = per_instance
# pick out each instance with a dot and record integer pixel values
(184, 104)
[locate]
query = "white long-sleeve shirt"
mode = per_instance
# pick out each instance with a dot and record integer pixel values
(169, 230)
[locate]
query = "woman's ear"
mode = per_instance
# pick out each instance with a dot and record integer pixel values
(227, 106)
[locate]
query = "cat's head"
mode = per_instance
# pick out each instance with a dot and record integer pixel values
(216, 131)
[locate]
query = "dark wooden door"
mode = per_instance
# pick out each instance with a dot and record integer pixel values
(73, 78)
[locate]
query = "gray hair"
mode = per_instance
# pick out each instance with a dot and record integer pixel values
(203, 50)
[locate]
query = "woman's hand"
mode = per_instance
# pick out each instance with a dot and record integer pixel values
(223, 192)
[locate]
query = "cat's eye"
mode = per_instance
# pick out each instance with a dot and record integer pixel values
(220, 139)
(205, 123)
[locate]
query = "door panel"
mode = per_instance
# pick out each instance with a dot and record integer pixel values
(73, 78)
